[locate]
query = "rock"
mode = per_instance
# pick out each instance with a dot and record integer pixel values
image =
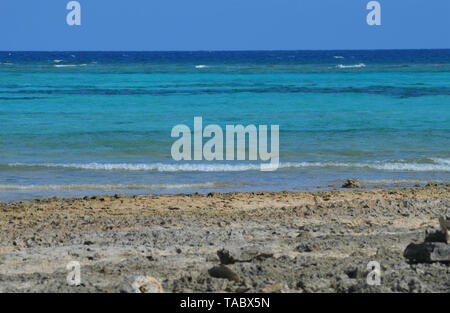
(416, 286)
(223, 271)
(433, 235)
(344, 283)
(225, 257)
(356, 272)
(428, 252)
(446, 216)
(411, 285)
(305, 235)
(142, 284)
(272, 288)
(315, 285)
(263, 256)
(444, 222)
(351, 183)
(305, 247)
(441, 235)
(242, 289)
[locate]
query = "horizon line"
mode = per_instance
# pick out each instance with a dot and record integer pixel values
(232, 50)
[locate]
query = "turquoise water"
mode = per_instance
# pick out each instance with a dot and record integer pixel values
(88, 123)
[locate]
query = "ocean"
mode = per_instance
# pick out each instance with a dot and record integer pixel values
(84, 123)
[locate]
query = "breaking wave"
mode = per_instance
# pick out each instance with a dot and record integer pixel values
(431, 165)
(69, 65)
(351, 66)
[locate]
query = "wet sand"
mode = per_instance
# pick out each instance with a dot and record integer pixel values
(278, 242)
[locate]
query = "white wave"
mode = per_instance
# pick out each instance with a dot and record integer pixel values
(201, 66)
(57, 61)
(441, 161)
(338, 57)
(441, 165)
(106, 187)
(6, 63)
(360, 65)
(378, 165)
(160, 167)
(406, 167)
(69, 65)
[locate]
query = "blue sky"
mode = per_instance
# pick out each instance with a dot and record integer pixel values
(223, 25)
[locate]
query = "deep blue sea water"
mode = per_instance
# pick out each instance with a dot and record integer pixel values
(77, 123)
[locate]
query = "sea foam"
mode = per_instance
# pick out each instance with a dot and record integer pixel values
(69, 65)
(434, 165)
(360, 65)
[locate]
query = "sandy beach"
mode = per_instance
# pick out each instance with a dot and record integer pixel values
(274, 242)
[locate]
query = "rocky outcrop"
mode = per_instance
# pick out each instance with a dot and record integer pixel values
(435, 248)
(351, 183)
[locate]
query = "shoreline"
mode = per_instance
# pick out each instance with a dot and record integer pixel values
(364, 185)
(284, 241)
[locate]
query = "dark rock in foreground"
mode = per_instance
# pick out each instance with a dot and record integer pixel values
(223, 271)
(428, 252)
